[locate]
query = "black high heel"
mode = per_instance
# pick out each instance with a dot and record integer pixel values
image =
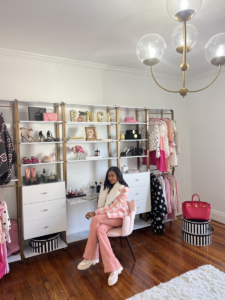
(43, 137)
(49, 135)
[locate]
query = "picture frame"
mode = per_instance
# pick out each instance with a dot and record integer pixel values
(91, 134)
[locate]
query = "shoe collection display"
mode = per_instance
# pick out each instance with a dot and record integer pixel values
(33, 160)
(30, 138)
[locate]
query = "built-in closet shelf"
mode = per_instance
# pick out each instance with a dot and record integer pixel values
(133, 156)
(23, 185)
(44, 122)
(90, 142)
(139, 223)
(42, 143)
(90, 123)
(124, 123)
(27, 250)
(49, 163)
(14, 179)
(13, 258)
(94, 159)
(138, 140)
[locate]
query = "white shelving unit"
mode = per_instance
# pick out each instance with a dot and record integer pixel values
(41, 143)
(93, 159)
(40, 163)
(27, 250)
(136, 140)
(42, 122)
(90, 123)
(13, 258)
(89, 142)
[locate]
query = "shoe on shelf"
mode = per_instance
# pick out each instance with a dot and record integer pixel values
(48, 158)
(23, 134)
(49, 135)
(34, 160)
(113, 277)
(29, 135)
(26, 161)
(85, 264)
(43, 137)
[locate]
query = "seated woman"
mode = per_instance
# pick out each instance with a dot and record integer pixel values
(112, 208)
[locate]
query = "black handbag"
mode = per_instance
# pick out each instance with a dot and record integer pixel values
(36, 113)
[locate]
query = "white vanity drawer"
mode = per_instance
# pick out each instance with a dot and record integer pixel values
(137, 179)
(42, 227)
(138, 193)
(43, 192)
(42, 210)
(143, 206)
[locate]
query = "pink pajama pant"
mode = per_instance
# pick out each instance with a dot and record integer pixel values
(100, 225)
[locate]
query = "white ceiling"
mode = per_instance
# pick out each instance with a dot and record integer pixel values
(104, 31)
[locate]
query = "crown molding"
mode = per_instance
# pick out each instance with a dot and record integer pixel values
(14, 54)
(206, 74)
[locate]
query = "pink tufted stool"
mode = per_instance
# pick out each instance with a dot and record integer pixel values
(127, 228)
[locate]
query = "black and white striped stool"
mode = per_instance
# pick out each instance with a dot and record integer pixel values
(197, 233)
(45, 243)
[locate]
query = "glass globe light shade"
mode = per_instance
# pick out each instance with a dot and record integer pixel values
(150, 49)
(177, 38)
(215, 50)
(183, 10)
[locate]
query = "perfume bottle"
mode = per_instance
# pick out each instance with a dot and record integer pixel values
(76, 192)
(70, 192)
(81, 192)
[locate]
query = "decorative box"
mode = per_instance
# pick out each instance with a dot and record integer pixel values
(197, 233)
(45, 243)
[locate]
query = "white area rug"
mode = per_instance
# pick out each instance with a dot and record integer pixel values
(203, 283)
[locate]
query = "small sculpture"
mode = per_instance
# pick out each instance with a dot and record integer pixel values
(100, 113)
(91, 117)
(109, 117)
(73, 115)
(87, 116)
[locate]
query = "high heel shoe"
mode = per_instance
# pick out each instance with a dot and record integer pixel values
(48, 158)
(43, 137)
(29, 135)
(23, 134)
(49, 135)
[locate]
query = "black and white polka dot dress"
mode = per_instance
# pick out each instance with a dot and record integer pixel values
(159, 208)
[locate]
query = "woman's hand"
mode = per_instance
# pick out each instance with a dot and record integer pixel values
(90, 215)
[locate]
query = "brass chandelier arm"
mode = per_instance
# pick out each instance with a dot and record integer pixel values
(209, 84)
(160, 85)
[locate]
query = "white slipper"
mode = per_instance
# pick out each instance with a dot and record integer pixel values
(85, 264)
(113, 277)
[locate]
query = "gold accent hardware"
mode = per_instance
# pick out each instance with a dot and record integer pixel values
(184, 15)
(45, 193)
(45, 209)
(188, 205)
(180, 49)
(196, 205)
(204, 206)
(46, 227)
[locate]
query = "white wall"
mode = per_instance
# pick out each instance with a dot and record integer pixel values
(208, 142)
(37, 78)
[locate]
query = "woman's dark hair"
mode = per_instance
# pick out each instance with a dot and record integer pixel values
(119, 175)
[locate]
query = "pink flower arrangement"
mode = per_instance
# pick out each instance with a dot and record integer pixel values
(77, 149)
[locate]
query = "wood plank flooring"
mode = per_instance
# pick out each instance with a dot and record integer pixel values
(159, 259)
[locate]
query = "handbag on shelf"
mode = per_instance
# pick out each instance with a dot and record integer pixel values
(36, 113)
(50, 116)
(196, 210)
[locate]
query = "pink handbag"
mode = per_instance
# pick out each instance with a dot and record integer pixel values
(50, 116)
(196, 210)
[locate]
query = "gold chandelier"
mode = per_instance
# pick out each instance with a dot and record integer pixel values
(151, 47)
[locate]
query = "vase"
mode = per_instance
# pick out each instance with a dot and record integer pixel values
(79, 119)
(77, 156)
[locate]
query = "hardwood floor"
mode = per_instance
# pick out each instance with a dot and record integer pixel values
(159, 259)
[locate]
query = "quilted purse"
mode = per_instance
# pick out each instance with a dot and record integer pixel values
(50, 116)
(196, 210)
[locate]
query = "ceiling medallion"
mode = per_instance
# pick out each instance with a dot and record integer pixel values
(151, 47)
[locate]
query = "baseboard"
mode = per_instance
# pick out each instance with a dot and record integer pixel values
(217, 216)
